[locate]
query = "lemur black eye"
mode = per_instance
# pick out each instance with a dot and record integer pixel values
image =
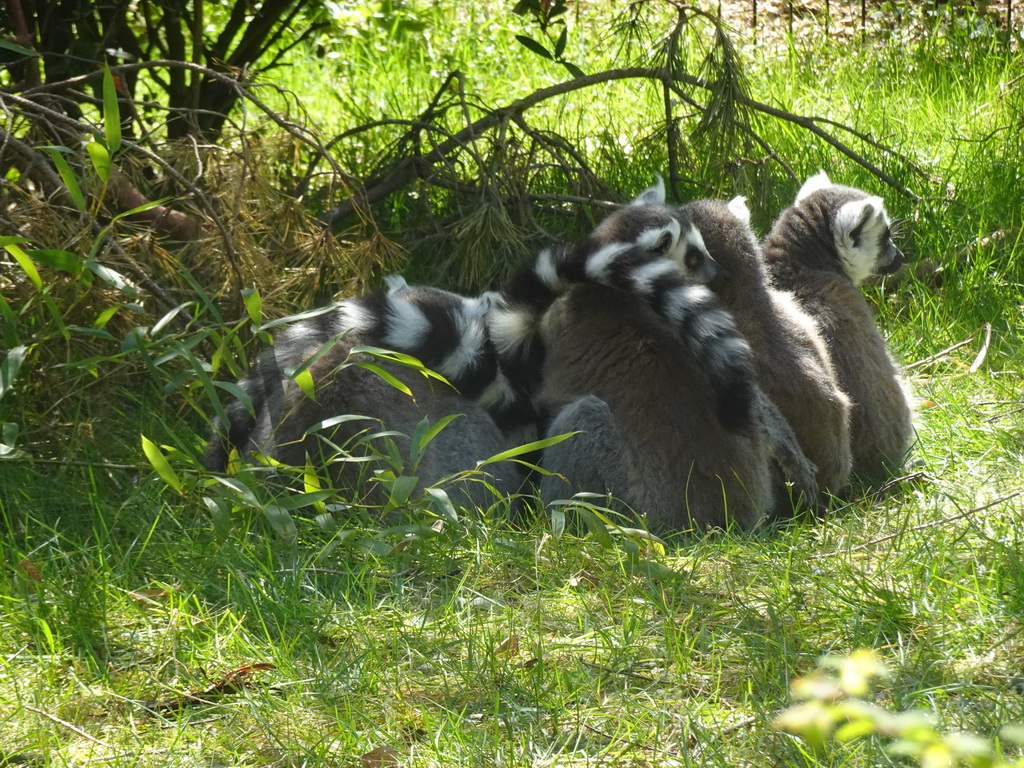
(663, 244)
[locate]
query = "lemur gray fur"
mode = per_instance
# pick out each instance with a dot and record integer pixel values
(821, 249)
(791, 360)
(646, 415)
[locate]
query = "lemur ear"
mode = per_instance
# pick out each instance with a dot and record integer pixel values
(654, 195)
(738, 208)
(820, 180)
(396, 284)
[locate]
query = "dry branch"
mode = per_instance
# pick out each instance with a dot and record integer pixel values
(412, 167)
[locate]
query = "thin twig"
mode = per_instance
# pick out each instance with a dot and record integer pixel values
(938, 355)
(69, 726)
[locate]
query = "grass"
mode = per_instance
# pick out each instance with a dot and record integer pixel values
(123, 606)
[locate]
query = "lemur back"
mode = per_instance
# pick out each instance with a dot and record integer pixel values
(792, 363)
(820, 249)
(619, 373)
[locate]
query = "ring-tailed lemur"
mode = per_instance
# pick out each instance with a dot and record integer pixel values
(792, 363)
(645, 411)
(820, 249)
(446, 331)
(655, 252)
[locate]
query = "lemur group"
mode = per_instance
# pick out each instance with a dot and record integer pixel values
(706, 379)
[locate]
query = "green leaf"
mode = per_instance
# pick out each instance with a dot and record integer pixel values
(100, 159)
(444, 505)
(533, 45)
(401, 489)
(238, 393)
(141, 208)
(67, 176)
(560, 44)
(557, 522)
(26, 264)
(424, 434)
(111, 112)
(536, 445)
(8, 443)
(335, 420)
(20, 50)
(253, 305)
(305, 381)
(573, 69)
(63, 260)
(10, 367)
(160, 464)
(163, 321)
(113, 277)
(387, 376)
(281, 521)
(104, 317)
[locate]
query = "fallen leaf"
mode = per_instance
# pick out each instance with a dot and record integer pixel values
(583, 577)
(509, 646)
(30, 569)
(380, 756)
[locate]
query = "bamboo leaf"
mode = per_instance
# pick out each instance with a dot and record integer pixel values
(65, 261)
(67, 176)
(253, 304)
(100, 159)
(160, 464)
(111, 112)
(26, 264)
(387, 376)
(113, 277)
(536, 445)
(10, 367)
(15, 48)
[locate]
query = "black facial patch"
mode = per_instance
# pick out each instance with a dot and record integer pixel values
(858, 230)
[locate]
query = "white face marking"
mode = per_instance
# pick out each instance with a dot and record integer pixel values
(738, 208)
(819, 181)
(396, 284)
(654, 195)
(861, 259)
(598, 262)
(645, 276)
(407, 325)
(351, 315)
(650, 238)
(546, 270)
